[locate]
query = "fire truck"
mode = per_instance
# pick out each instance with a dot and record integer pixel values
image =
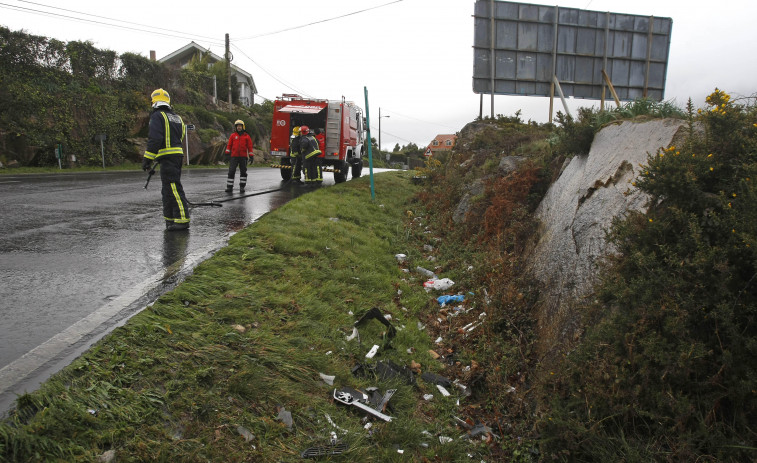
(341, 121)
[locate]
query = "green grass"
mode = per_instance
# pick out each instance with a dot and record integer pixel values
(178, 382)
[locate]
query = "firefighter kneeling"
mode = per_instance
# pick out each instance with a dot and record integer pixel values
(309, 152)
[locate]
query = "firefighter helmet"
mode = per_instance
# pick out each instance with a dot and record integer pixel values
(304, 130)
(296, 131)
(160, 97)
(239, 122)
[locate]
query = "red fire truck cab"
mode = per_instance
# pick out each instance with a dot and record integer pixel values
(341, 121)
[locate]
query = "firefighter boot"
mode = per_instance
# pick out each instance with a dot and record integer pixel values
(242, 183)
(229, 184)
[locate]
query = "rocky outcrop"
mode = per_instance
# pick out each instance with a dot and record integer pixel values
(578, 209)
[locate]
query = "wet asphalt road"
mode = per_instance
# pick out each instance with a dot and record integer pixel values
(80, 253)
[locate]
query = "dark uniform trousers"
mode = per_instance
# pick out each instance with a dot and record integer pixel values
(175, 204)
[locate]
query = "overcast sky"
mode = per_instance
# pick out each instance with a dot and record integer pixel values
(414, 56)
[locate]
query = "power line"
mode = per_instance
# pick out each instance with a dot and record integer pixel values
(270, 73)
(149, 30)
(421, 120)
(318, 22)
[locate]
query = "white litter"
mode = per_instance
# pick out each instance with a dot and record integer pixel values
(428, 396)
(445, 439)
(440, 285)
(444, 392)
(438, 340)
(400, 257)
(327, 379)
(372, 352)
(353, 335)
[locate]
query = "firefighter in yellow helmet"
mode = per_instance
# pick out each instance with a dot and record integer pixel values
(294, 155)
(165, 146)
(240, 149)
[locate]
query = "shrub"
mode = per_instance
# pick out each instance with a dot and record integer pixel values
(668, 372)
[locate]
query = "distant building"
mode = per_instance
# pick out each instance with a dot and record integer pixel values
(441, 143)
(184, 55)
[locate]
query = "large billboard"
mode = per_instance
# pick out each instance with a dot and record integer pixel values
(519, 47)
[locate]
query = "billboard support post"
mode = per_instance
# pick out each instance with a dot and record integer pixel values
(612, 89)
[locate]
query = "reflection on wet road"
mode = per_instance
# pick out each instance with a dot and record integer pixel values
(81, 253)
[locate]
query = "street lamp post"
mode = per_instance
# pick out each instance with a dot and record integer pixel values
(379, 140)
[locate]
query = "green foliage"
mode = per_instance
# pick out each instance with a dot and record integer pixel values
(668, 373)
(208, 134)
(574, 137)
(247, 331)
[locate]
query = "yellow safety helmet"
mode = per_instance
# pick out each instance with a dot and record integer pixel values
(239, 122)
(296, 131)
(160, 97)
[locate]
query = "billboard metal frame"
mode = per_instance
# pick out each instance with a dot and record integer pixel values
(532, 46)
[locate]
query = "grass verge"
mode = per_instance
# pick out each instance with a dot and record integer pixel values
(201, 374)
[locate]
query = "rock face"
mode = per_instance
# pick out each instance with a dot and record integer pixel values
(577, 210)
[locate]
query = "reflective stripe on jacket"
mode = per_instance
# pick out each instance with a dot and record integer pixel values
(165, 135)
(309, 146)
(240, 145)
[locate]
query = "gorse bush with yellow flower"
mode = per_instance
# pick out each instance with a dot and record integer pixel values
(668, 371)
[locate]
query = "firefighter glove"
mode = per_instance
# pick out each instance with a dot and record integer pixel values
(146, 164)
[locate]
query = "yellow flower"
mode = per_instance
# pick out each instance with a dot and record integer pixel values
(650, 220)
(729, 205)
(733, 230)
(711, 169)
(709, 155)
(733, 194)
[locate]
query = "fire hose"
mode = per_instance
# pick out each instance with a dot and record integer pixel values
(214, 203)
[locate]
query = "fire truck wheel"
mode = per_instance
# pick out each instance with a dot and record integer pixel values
(357, 168)
(286, 174)
(341, 174)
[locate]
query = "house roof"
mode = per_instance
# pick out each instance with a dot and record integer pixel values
(441, 140)
(185, 53)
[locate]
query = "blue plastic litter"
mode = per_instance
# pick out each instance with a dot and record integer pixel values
(447, 299)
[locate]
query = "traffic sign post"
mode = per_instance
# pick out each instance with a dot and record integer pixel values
(190, 127)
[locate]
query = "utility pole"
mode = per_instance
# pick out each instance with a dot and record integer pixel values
(228, 68)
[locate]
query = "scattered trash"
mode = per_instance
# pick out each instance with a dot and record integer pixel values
(481, 430)
(421, 326)
(329, 352)
(368, 426)
(463, 388)
(425, 272)
(433, 378)
(428, 248)
(92, 411)
(434, 355)
(431, 259)
(428, 396)
(334, 219)
(444, 392)
(376, 313)
(331, 422)
(353, 335)
(372, 352)
(400, 257)
(410, 350)
(385, 370)
(438, 284)
(509, 390)
(445, 439)
(248, 436)
(239, 328)
(438, 340)
(335, 447)
(415, 367)
(346, 398)
(285, 417)
(327, 379)
(107, 456)
(442, 300)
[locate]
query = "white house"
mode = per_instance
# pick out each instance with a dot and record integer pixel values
(183, 56)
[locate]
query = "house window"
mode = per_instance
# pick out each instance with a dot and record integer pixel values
(436, 143)
(448, 143)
